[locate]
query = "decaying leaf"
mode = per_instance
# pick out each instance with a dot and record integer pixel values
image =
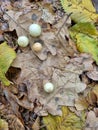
(68, 121)
(64, 76)
(7, 55)
(82, 11)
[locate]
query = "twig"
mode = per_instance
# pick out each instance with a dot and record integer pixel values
(63, 23)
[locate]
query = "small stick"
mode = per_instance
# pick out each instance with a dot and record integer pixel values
(63, 23)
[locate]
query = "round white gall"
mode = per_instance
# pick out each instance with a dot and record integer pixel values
(23, 41)
(48, 87)
(35, 30)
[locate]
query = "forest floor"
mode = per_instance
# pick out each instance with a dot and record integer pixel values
(68, 60)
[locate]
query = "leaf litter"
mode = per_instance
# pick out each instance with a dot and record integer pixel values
(59, 62)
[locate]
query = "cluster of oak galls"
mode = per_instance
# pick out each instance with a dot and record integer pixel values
(23, 41)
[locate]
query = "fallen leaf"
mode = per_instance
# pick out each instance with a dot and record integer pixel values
(49, 45)
(84, 59)
(81, 104)
(51, 64)
(87, 44)
(85, 28)
(95, 90)
(7, 55)
(68, 121)
(28, 63)
(20, 20)
(82, 11)
(92, 96)
(47, 16)
(16, 102)
(64, 76)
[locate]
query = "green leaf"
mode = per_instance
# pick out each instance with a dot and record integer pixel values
(7, 55)
(82, 10)
(68, 121)
(85, 36)
(86, 28)
(87, 44)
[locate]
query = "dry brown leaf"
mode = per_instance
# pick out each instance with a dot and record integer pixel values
(15, 102)
(15, 123)
(47, 16)
(84, 59)
(81, 104)
(6, 111)
(91, 121)
(65, 78)
(25, 20)
(36, 124)
(92, 96)
(15, 21)
(21, 20)
(95, 91)
(49, 45)
(51, 64)
(28, 63)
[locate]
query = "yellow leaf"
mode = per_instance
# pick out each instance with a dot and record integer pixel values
(88, 45)
(86, 28)
(7, 55)
(68, 121)
(82, 10)
(88, 5)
